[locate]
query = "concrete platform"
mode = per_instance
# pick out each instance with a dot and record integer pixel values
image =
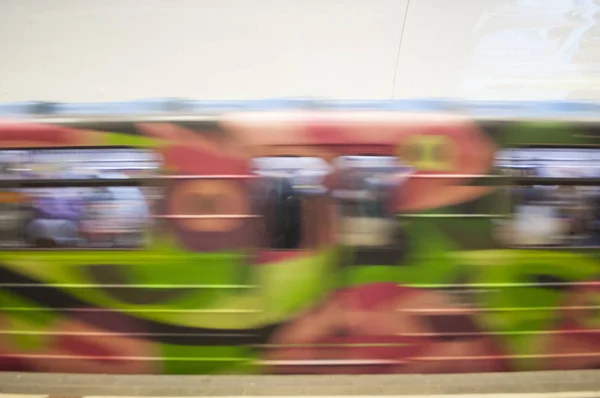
(572, 384)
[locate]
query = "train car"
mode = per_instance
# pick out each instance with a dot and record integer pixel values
(307, 241)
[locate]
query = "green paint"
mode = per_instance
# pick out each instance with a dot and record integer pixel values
(129, 140)
(290, 286)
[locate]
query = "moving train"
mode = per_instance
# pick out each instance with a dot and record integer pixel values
(355, 240)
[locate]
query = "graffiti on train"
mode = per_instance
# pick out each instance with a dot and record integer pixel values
(268, 245)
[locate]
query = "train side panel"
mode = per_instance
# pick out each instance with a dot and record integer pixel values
(420, 279)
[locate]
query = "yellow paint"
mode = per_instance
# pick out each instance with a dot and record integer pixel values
(430, 152)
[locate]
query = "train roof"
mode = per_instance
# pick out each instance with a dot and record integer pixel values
(179, 109)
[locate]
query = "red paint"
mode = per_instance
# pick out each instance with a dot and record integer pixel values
(12, 363)
(369, 296)
(89, 347)
(197, 160)
(41, 134)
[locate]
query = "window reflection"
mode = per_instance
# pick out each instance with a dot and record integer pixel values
(553, 215)
(365, 192)
(76, 217)
(290, 202)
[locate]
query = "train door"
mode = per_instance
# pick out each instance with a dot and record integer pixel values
(372, 244)
(340, 334)
(312, 206)
(553, 229)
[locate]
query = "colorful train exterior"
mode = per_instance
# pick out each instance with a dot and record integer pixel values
(234, 264)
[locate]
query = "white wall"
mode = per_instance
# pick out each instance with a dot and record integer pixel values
(107, 50)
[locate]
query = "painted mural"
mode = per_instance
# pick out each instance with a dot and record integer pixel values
(292, 243)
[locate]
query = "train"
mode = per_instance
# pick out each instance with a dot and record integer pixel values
(347, 239)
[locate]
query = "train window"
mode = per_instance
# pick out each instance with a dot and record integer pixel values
(365, 192)
(70, 215)
(560, 208)
(288, 186)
